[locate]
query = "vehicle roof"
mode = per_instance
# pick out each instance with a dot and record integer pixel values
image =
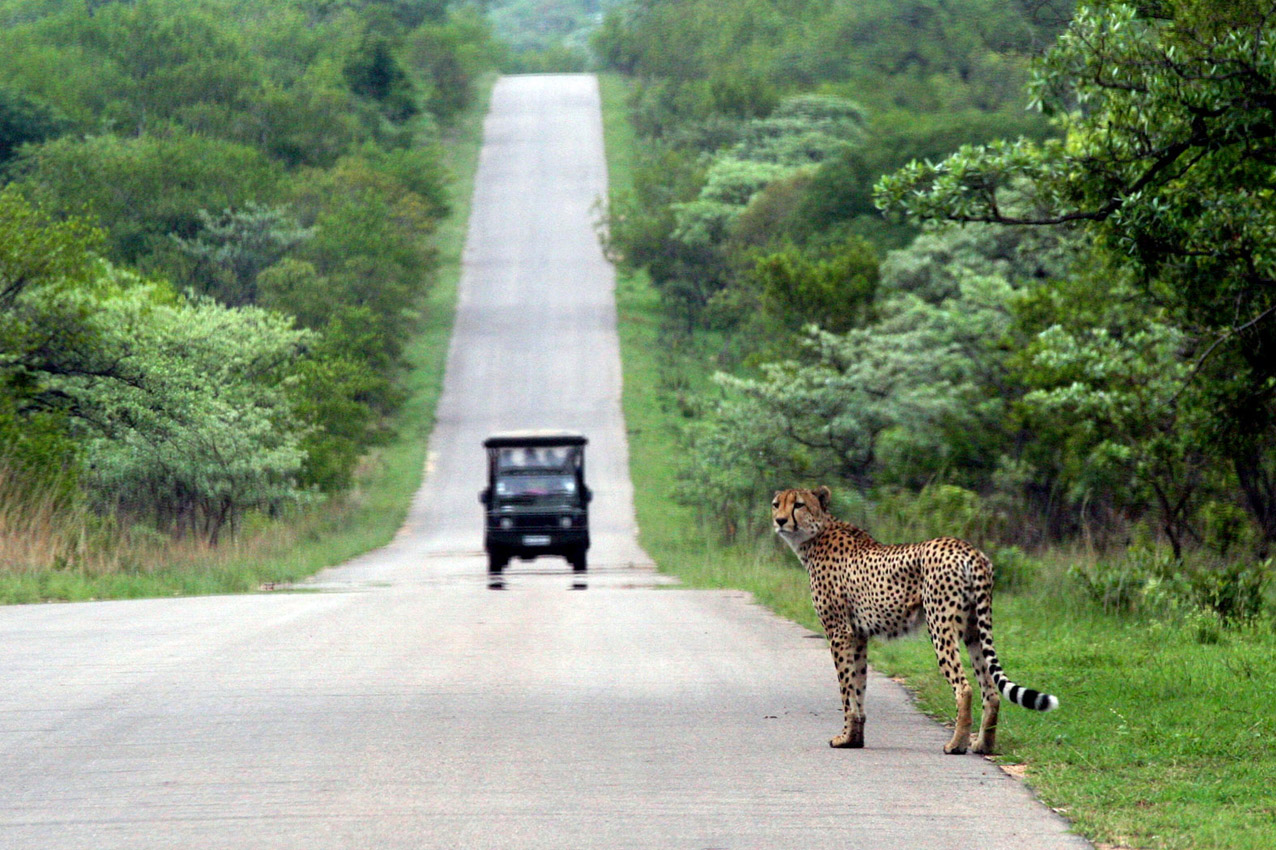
(518, 439)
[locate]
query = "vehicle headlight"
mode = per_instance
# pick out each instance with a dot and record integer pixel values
(565, 522)
(507, 523)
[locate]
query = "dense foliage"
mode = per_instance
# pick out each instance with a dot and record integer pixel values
(1167, 161)
(215, 244)
(1085, 356)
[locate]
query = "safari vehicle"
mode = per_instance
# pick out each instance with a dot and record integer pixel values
(536, 499)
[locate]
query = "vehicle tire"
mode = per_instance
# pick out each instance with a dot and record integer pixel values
(496, 560)
(577, 559)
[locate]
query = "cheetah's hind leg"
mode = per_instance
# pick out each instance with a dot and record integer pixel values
(987, 739)
(944, 634)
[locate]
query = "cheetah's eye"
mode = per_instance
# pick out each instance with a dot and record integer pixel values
(797, 505)
(775, 506)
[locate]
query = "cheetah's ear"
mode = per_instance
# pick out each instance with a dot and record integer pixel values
(825, 495)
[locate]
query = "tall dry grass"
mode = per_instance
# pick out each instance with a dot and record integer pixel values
(44, 529)
(35, 531)
(52, 548)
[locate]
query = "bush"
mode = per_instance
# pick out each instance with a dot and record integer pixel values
(939, 510)
(1119, 587)
(1236, 592)
(1152, 583)
(1013, 568)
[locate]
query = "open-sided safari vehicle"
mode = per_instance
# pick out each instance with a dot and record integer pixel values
(536, 499)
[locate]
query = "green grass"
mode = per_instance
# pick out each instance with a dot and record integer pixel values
(275, 553)
(1160, 740)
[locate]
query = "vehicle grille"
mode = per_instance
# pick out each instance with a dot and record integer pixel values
(533, 522)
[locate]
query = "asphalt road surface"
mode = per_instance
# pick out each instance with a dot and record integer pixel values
(406, 704)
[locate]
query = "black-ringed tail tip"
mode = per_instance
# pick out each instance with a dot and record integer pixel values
(1024, 697)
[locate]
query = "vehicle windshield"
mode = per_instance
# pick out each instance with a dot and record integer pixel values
(536, 489)
(550, 459)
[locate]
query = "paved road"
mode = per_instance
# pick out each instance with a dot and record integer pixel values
(409, 705)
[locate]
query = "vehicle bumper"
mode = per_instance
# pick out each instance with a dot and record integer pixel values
(555, 541)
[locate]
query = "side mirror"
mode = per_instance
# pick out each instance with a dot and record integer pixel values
(589, 495)
(486, 496)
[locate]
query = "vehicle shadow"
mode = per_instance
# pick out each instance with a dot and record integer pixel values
(498, 581)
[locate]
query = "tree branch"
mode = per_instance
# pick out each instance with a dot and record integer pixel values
(1226, 336)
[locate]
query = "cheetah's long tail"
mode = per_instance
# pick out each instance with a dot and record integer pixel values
(1019, 695)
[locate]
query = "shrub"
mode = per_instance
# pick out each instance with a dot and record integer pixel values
(939, 510)
(1235, 592)
(1118, 587)
(1013, 568)
(1153, 583)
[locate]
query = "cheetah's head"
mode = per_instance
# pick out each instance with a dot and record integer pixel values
(800, 515)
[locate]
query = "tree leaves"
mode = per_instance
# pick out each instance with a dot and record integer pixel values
(180, 411)
(1168, 156)
(198, 428)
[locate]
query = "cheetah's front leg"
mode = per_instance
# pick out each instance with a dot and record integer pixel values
(850, 657)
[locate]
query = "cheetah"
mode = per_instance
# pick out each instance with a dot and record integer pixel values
(862, 589)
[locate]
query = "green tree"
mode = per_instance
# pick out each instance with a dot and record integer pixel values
(336, 394)
(233, 249)
(24, 120)
(889, 403)
(307, 123)
(1108, 404)
(168, 64)
(371, 214)
(373, 71)
(39, 257)
(198, 427)
(437, 55)
(143, 189)
(690, 247)
(833, 288)
(1169, 140)
(923, 55)
(180, 412)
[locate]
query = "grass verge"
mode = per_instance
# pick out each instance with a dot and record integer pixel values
(271, 553)
(1160, 742)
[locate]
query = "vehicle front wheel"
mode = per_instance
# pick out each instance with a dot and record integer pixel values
(577, 560)
(496, 560)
